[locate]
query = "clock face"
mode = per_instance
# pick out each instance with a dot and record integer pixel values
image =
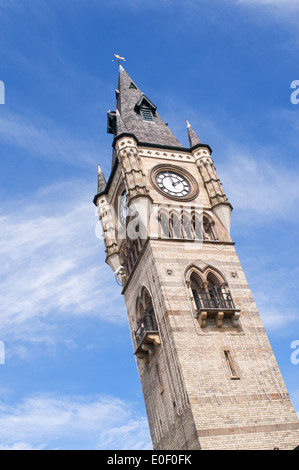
(173, 184)
(123, 208)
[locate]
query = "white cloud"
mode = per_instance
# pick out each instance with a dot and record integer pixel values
(52, 262)
(262, 191)
(43, 139)
(123, 435)
(53, 422)
(278, 320)
(282, 3)
(284, 12)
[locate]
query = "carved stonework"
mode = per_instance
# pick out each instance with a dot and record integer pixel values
(148, 346)
(131, 167)
(129, 253)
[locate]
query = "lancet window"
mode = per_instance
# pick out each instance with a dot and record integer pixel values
(186, 224)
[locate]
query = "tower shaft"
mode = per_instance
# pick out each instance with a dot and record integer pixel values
(209, 377)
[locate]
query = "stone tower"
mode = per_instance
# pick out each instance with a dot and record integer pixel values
(209, 377)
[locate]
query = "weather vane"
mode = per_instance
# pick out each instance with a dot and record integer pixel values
(118, 58)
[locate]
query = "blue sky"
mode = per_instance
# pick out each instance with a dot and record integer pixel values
(69, 380)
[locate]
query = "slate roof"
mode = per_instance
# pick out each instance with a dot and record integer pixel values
(127, 117)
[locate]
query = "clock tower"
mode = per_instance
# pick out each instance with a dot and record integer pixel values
(208, 374)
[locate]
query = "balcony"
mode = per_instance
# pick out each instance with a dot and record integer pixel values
(147, 337)
(218, 305)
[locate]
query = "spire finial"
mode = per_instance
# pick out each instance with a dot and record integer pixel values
(193, 138)
(118, 59)
(101, 180)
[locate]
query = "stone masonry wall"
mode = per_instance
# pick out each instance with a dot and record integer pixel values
(200, 401)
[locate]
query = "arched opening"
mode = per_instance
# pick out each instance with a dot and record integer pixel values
(208, 228)
(187, 225)
(139, 310)
(211, 296)
(196, 227)
(213, 291)
(197, 287)
(210, 293)
(148, 304)
(206, 293)
(175, 225)
(146, 318)
(164, 224)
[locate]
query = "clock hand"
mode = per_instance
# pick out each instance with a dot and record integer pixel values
(169, 176)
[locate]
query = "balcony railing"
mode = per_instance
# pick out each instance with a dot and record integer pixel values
(217, 305)
(148, 324)
(213, 300)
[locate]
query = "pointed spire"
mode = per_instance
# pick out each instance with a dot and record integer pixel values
(128, 94)
(149, 127)
(193, 138)
(101, 180)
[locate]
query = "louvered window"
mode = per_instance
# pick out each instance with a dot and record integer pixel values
(146, 113)
(133, 86)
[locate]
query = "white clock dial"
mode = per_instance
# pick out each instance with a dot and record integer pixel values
(173, 184)
(123, 208)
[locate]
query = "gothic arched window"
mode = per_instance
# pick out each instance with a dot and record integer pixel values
(211, 296)
(147, 332)
(187, 225)
(196, 226)
(146, 318)
(175, 225)
(197, 286)
(208, 228)
(164, 224)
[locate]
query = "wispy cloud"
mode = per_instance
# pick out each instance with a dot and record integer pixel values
(51, 260)
(46, 421)
(41, 138)
(275, 319)
(265, 191)
(279, 12)
(260, 184)
(280, 3)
